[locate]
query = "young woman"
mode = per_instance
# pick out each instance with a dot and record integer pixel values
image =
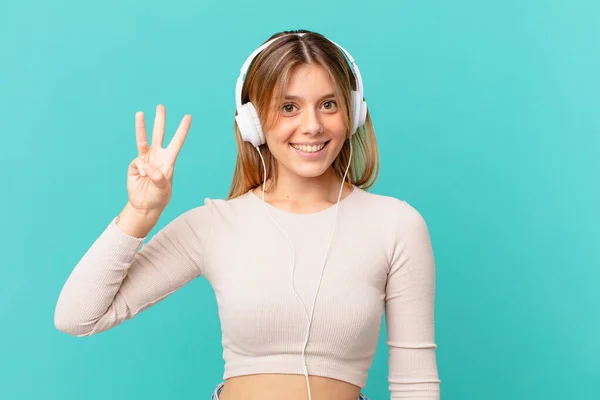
(303, 260)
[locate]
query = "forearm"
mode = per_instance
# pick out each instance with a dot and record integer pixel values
(91, 287)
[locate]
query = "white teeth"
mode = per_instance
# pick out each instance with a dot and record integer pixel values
(308, 149)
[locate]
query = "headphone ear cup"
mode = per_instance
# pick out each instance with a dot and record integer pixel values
(363, 113)
(256, 124)
(359, 111)
(249, 125)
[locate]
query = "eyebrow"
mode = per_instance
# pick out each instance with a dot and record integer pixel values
(292, 97)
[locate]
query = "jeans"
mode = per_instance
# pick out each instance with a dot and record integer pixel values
(215, 395)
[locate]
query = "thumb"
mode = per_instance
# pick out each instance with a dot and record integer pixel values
(156, 176)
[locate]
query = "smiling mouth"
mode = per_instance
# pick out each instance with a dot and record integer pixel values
(309, 149)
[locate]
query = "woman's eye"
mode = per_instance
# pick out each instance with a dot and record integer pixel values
(333, 103)
(288, 107)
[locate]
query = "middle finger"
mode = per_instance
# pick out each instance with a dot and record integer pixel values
(140, 134)
(158, 131)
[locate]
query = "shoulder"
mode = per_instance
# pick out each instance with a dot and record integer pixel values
(216, 207)
(394, 220)
(392, 209)
(393, 223)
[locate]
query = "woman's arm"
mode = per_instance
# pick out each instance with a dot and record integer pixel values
(114, 280)
(410, 295)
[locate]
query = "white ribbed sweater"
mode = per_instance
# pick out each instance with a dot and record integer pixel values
(381, 260)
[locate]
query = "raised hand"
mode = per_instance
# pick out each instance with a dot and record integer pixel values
(150, 174)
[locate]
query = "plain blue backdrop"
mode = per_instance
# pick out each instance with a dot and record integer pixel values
(487, 118)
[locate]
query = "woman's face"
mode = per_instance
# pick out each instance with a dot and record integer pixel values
(311, 129)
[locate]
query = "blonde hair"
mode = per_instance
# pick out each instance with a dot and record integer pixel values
(266, 79)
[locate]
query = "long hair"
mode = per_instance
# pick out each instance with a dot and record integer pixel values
(264, 86)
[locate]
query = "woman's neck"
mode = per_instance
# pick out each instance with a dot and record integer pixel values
(310, 194)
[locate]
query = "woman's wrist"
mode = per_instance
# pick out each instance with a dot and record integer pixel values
(136, 223)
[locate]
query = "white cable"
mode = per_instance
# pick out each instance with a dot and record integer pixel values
(308, 319)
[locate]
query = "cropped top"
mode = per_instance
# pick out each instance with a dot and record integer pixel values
(380, 262)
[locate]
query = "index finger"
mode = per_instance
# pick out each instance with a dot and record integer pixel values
(179, 137)
(141, 138)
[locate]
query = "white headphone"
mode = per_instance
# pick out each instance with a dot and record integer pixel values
(247, 119)
(251, 131)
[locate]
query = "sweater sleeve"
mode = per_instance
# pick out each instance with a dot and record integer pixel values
(410, 292)
(115, 280)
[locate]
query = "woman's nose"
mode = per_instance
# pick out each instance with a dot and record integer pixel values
(311, 123)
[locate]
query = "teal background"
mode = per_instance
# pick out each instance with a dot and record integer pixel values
(487, 117)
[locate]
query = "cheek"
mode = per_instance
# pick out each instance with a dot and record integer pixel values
(334, 151)
(336, 119)
(280, 139)
(282, 130)
(277, 141)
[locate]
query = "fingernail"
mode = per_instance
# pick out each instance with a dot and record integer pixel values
(142, 172)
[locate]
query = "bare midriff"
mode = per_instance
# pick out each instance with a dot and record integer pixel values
(287, 386)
